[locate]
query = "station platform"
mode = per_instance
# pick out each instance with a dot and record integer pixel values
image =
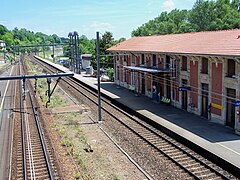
(216, 140)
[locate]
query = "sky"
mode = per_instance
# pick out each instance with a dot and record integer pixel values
(60, 17)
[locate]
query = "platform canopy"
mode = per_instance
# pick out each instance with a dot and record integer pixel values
(150, 69)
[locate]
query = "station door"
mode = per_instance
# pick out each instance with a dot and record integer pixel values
(204, 100)
(230, 115)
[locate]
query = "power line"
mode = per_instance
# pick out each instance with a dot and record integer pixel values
(175, 84)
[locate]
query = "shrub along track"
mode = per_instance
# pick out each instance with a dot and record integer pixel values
(159, 155)
(33, 157)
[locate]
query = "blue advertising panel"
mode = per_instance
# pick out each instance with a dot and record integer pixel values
(236, 103)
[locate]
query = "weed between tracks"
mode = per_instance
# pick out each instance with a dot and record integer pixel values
(86, 152)
(73, 138)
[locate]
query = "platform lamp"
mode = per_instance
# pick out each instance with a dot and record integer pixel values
(53, 52)
(98, 77)
(76, 43)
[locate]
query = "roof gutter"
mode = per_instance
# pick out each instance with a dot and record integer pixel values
(177, 53)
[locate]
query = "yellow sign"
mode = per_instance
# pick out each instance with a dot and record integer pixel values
(216, 106)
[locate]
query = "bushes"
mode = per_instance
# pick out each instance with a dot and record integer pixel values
(110, 73)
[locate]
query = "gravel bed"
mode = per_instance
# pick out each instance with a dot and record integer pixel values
(105, 162)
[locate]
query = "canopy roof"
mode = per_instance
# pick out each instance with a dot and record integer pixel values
(149, 69)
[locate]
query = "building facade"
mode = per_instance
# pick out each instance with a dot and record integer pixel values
(2, 44)
(196, 72)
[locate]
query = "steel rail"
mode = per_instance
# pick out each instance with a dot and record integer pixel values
(29, 144)
(36, 117)
(41, 137)
(147, 141)
(22, 129)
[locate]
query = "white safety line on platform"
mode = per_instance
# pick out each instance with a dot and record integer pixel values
(229, 149)
(5, 92)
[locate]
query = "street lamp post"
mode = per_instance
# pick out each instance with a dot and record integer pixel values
(71, 50)
(53, 52)
(98, 78)
(77, 59)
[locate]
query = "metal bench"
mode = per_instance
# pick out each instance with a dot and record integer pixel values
(166, 100)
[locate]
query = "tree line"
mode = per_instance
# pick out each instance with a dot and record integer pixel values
(204, 16)
(25, 37)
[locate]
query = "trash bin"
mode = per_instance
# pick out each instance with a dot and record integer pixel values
(87, 70)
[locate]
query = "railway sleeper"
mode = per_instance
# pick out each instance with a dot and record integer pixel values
(179, 156)
(182, 159)
(39, 163)
(39, 170)
(167, 147)
(19, 158)
(207, 176)
(149, 138)
(162, 145)
(161, 141)
(35, 144)
(190, 163)
(174, 152)
(152, 139)
(37, 158)
(38, 149)
(42, 175)
(166, 144)
(202, 171)
(198, 168)
(39, 166)
(19, 176)
(19, 165)
(216, 178)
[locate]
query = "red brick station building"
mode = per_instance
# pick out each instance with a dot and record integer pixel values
(197, 72)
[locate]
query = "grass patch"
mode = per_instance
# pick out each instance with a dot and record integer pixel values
(81, 136)
(115, 177)
(72, 135)
(55, 100)
(77, 175)
(66, 142)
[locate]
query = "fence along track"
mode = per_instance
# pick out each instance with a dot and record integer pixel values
(195, 165)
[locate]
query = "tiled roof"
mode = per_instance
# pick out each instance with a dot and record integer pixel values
(225, 42)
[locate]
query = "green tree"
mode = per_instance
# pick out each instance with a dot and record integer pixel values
(202, 15)
(3, 30)
(8, 38)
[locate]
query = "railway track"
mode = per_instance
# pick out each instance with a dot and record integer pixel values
(5, 68)
(32, 157)
(148, 138)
